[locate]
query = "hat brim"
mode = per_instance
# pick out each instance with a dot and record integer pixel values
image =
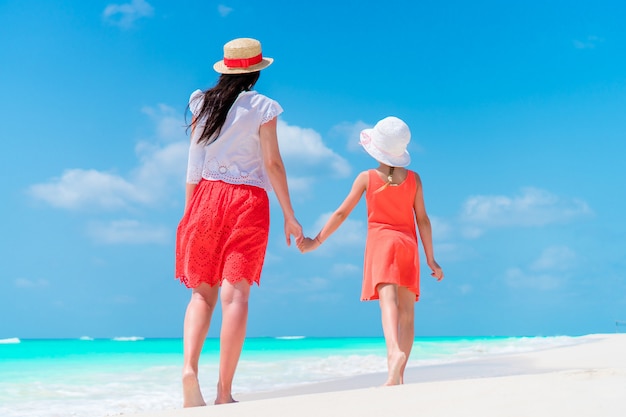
(220, 67)
(391, 160)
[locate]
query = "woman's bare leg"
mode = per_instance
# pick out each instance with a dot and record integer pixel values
(197, 322)
(406, 325)
(234, 298)
(388, 300)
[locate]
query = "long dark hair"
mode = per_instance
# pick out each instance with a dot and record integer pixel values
(218, 101)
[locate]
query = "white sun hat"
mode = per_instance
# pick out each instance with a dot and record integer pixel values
(387, 142)
(241, 56)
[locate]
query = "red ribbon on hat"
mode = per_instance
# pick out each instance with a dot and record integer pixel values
(243, 62)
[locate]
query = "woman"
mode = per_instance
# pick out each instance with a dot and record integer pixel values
(221, 240)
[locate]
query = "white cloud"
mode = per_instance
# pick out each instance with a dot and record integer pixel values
(308, 286)
(305, 147)
(124, 299)
(343, 269)
(31, 284)
(440, 228)
(517, 278)
(161, 164)
(300, 185)
(465, 289)
(533, 207)
(547, 272)
(224, 10)
(351, 132)
(314, 284)
(78, 188)
(555, 258)
(589, 43)
(161, 167)
(324, 298)
(449, 251)
(472, 232)
(128, 232)
(168, 122)
(124, 15)
(351, 233)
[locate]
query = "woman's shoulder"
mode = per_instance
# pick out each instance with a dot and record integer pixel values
(265, 106)
(195, 101)
(259, 98)
(196, 95)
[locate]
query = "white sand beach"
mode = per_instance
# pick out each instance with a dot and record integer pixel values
(587, 379)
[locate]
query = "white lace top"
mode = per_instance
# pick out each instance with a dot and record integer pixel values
(235, 156)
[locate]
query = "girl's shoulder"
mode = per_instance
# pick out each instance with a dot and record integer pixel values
(414, 174)
(362, 179)
(418, 180)
(364, 175)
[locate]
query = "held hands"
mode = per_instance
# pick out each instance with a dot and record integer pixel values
(292, 227)
(437, 271)
(307, 244)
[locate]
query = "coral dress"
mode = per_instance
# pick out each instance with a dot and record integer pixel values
(391, 251)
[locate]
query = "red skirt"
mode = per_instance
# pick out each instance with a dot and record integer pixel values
(223, 234)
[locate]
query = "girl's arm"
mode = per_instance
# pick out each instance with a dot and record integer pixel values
(278, 177)
(358, 188)
(425, 230)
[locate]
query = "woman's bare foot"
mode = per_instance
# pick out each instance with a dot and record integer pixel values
(192, 396)
(402, 370)
(394, 363)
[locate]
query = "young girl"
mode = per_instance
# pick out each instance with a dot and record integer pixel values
(395, 202)
(221, 240)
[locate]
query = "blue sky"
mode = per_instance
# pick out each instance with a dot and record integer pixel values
(518, 116)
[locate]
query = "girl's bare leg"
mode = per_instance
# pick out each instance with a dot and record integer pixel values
(234, 298)
(197, 322)
(388, 301)
(406, 325)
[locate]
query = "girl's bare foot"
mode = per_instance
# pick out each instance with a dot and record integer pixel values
(223, 397)
(227, 400)
(192, 396)
(394, 363)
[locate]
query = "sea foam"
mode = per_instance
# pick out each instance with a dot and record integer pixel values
(104, 377)
(128, 339)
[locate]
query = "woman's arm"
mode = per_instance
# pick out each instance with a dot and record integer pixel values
(278, 177)
(425, 230)
(195, 162)
(189, 189)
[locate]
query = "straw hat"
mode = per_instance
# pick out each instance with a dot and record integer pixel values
(241, 56)
(387, 142)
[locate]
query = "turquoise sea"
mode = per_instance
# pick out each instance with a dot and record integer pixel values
(104, 377)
